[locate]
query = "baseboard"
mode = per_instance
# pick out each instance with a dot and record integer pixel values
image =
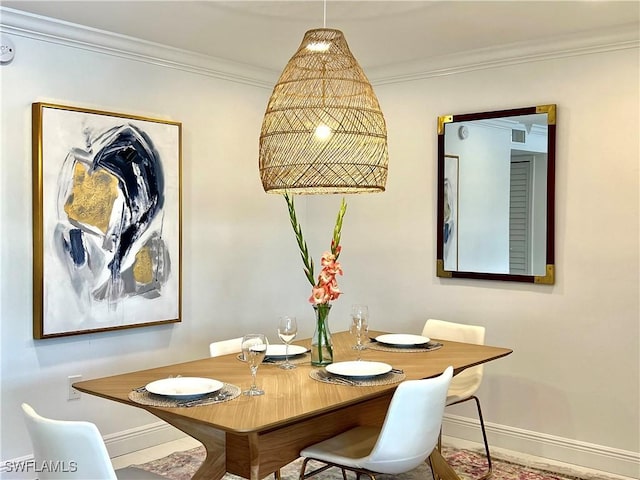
(526, 443)
(139, 438)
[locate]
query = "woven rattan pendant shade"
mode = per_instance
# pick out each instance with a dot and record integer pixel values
(323, 131)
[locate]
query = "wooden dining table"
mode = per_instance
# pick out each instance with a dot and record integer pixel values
(254, 436)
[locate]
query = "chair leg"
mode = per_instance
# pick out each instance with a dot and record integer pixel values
(326, 466)
(439, 447)
(276, 475)
(487, 474)
(357, 471)
(303, 468)
(484, 437)
(433, 474)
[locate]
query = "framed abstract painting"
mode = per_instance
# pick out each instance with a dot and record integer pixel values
(106, 221)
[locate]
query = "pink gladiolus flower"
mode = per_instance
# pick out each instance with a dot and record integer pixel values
(319, 295)
(337, 268)
(327, 287)
(327, 259)
(334, 291)
(326, 276)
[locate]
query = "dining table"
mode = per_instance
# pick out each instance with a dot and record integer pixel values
(255, 436)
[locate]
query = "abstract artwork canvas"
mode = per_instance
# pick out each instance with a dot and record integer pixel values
(106, 221)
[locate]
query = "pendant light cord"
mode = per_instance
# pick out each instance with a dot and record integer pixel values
(324, 18)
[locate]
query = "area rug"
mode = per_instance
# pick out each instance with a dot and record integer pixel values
(468, 465)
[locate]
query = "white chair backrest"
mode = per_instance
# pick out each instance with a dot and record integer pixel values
(467, 381)
(225, 347)
(67, 449)
(411, 428)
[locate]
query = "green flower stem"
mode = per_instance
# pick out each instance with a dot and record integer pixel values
(307, 261)
(335, 241)
(302, 245)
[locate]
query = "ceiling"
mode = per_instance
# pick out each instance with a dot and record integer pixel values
(380, 33)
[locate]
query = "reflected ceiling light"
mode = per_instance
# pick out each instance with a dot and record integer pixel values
(323, 130)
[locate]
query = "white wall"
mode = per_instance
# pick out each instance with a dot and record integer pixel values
(573, 376)
(575, 343)
(571, 387)
(233, 233)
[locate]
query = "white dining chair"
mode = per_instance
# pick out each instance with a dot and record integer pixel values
(64, 449)
(225, 347)
(407, 437)
(464, 385)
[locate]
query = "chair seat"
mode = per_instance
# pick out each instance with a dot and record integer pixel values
(462, 388)
(354, 446)
(406, 438)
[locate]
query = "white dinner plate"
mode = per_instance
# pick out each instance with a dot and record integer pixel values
(181, 387)
(359, 368)
(278, 350)
(404, 339)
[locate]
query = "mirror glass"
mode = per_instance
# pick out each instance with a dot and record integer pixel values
(496, 195)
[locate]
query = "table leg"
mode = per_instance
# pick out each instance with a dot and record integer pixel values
(258, 454)
(214, 465)
(441, 469)
(254, 456)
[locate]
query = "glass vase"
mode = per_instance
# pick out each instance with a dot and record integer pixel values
(321, 346)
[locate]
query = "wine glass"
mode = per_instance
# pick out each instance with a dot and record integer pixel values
(359, 324)
(287, 330)
(254, 348)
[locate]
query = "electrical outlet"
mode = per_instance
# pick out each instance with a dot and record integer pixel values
(73, 394)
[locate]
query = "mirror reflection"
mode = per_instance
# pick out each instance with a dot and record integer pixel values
(495, 194)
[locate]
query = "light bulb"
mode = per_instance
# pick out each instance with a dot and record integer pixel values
(318, 46)
(322, 132)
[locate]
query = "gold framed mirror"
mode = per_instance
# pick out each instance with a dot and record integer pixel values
(496, 195)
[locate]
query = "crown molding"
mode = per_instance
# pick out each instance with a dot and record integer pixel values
(605, 40)
(73, 35)
(50, 30)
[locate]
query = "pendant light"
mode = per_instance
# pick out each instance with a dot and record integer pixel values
(323, 130)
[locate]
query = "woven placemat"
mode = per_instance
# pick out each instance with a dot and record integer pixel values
(431, 346)
(321, 375)
(295, 359)
(143, 397)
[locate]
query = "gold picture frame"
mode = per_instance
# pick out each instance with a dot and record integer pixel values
(107, 222)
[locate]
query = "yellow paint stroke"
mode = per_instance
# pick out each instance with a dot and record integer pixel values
(92, 197)
(143, 266)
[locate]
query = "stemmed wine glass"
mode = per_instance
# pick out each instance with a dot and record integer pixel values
(254, 348)
(359, 324)
(287, 330)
